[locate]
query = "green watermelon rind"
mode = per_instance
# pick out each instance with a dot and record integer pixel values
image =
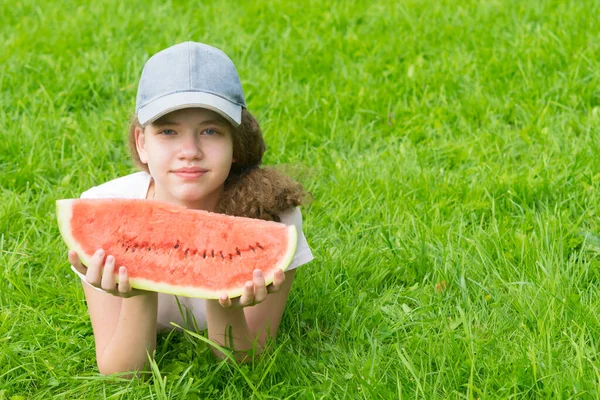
(64, 214)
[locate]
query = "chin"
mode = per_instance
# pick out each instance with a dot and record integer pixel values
(192, 197)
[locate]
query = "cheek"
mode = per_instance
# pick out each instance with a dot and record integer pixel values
(158, 155)
(225, 152)
(226, 160)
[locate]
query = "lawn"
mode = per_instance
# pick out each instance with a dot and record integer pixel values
(453, 151)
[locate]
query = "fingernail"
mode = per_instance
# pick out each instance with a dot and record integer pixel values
(100, 252)
(110, 259)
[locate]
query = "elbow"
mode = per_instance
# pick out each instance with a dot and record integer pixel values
(234, 356)
(126, 372)
(104, 368)
(127, 366)
(240, 356)
(107, 369)
(249, 356)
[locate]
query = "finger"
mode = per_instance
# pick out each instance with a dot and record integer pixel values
(108, 274)
(94, 271)
(225, 301)
(278, 280)
(260, 289)
(248, 295)
(74, 261)
(124, 285)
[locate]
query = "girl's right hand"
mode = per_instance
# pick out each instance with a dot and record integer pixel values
(103, 277)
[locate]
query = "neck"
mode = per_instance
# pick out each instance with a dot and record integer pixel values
(207, 203)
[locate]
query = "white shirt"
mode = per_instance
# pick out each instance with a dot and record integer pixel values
(135, 186)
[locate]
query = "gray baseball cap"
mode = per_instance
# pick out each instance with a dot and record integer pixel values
(189, 75)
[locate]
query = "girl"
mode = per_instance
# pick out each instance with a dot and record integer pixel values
(199, 147)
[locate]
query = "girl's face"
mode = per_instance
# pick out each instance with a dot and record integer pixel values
(189, 154)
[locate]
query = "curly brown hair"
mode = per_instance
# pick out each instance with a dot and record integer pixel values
(250, 190)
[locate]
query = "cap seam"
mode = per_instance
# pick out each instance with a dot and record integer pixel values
(189, 65)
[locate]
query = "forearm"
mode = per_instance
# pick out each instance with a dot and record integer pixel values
(245, 328)
(228, 328)
(134, 336)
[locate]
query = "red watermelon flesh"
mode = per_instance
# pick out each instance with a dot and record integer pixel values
(171, 249)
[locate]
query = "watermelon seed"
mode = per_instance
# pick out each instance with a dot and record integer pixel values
(222, 256)
(259, 246)
(230, 256)
(204, 254)
(149, 248)
(239, 253)
(176, 245)
(212, 252)
(252, 248)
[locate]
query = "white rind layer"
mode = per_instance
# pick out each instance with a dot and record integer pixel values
(64, 215)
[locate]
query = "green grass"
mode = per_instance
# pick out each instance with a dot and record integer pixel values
(444, 141)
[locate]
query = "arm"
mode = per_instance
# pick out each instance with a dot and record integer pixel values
(124, 327)
(248, 323)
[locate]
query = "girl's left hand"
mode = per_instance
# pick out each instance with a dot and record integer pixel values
(255, 291)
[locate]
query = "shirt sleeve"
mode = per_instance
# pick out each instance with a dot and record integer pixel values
(133, 186)
(303, 253)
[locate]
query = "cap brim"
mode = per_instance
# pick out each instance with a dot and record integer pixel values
(177, 101)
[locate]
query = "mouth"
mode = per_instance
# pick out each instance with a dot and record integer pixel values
(190, 172)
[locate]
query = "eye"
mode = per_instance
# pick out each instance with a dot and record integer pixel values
(167, 132)
(209, 132)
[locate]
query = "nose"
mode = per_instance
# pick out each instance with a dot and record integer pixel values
(190, 147)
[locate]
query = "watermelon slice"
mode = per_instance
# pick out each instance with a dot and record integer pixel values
(171, 249)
